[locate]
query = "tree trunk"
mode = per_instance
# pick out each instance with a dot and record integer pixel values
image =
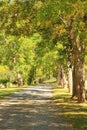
(74, 76)
(70, 80)
(76, 58)
(80, 86)
(78, 83)
(61, 77)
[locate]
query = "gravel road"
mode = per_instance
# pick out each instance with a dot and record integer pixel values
(32, 109)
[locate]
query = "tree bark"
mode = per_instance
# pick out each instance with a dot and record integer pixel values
(78, 82)
(74, 76)
(76, 57)
(70, 80)
(61, 77)
(80, 86)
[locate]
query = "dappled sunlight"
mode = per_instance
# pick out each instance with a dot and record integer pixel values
(58, 92)
(32, 108)
(74, 112)
(32, 116)
(4, 92)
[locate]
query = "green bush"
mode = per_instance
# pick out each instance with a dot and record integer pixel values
(4, 77)
(7, 77)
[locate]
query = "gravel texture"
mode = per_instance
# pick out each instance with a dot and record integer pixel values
(32, 109)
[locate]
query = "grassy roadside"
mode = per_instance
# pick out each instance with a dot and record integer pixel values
(8, 91)
(76, 114)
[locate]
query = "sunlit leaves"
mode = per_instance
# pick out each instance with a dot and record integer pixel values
(38, 4)
(56, 21)
(16, 17)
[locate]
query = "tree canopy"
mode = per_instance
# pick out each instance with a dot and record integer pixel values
(39, 38)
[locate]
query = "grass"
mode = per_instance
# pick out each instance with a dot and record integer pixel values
(50, 80)
(75, 113)
(8, 91)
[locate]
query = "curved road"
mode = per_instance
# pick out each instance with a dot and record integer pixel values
(32, 109)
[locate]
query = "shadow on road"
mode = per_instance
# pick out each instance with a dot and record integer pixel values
(32, 109)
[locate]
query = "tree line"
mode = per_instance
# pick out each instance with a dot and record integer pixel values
(43, 39)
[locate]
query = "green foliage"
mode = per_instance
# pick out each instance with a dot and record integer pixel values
(4, 77)
(37, 34)
(7, 76)
(15, 17)
(31, 75)
(19, 53)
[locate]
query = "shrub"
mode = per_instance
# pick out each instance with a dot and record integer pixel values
(4, 77)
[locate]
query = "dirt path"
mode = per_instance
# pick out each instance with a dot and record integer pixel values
(31, 109)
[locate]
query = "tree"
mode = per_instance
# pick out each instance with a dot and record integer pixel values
(16, 17)
(59, 23)
(66, 24)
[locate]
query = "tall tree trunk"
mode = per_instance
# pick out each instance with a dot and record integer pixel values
(80, 85)
(78, 82)
(70, 80)
(74, 78)
(59, 77)
(76, 57)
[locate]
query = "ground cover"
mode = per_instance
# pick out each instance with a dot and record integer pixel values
(8, 91)
(75, 113)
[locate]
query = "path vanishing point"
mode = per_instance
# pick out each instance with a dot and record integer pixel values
(32, 109)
